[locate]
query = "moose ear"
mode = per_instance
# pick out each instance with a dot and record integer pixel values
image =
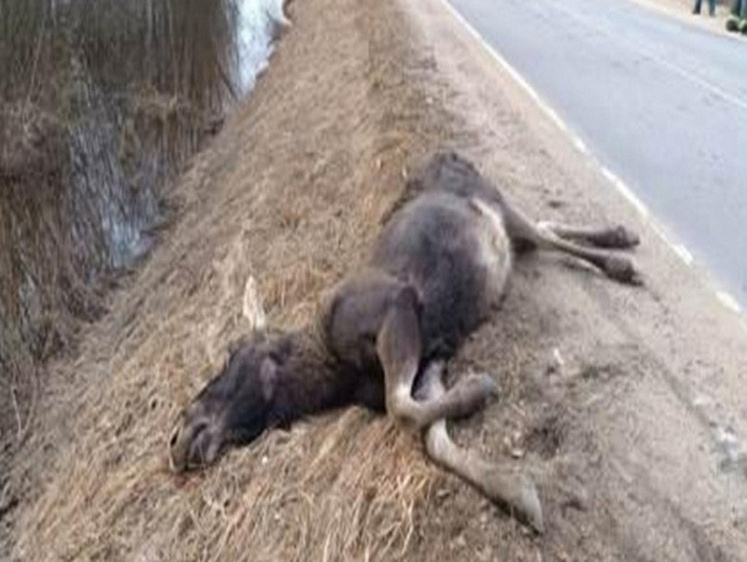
(252, 306)
(235, 346)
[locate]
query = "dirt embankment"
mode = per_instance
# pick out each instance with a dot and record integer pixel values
(618, 424)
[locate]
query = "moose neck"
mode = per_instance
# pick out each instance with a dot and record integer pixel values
(309, 380)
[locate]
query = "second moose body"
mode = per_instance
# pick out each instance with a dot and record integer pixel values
(438, 270)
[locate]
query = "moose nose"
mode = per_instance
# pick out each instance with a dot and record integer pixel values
(185, 442)
(178, 450)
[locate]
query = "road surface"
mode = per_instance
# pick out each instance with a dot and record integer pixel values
(660, 103)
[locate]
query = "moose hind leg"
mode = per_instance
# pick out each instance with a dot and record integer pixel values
(504, 485)
(613, 237)
(398, 346)
(543, 237)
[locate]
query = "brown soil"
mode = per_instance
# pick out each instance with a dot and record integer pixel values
(613, 397)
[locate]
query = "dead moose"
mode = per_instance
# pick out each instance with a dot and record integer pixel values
(382, 338)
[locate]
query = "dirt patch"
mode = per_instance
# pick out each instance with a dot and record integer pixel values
(598, 380)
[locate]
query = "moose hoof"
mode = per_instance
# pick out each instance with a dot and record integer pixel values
(622, 269)
(532, 508)
(479, 387)
(517, 494)
(618, 237)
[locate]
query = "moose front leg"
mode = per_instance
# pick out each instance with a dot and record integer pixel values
(399, 349)
(505, 485)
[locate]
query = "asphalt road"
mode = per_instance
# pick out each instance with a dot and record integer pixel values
(660, 103)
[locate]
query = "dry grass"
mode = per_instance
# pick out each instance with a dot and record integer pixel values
(99, 103)
(291, 193)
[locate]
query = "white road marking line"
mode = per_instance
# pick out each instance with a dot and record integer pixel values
(626, 192)
(684, 254)
(729, 301)
(680, 249)
(580, 145)
(663, 235)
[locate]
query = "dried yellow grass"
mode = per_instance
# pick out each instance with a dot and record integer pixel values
(292, 194)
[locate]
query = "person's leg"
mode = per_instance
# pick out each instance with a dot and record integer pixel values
(712, 7)
(732, 20)
(696, 9)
